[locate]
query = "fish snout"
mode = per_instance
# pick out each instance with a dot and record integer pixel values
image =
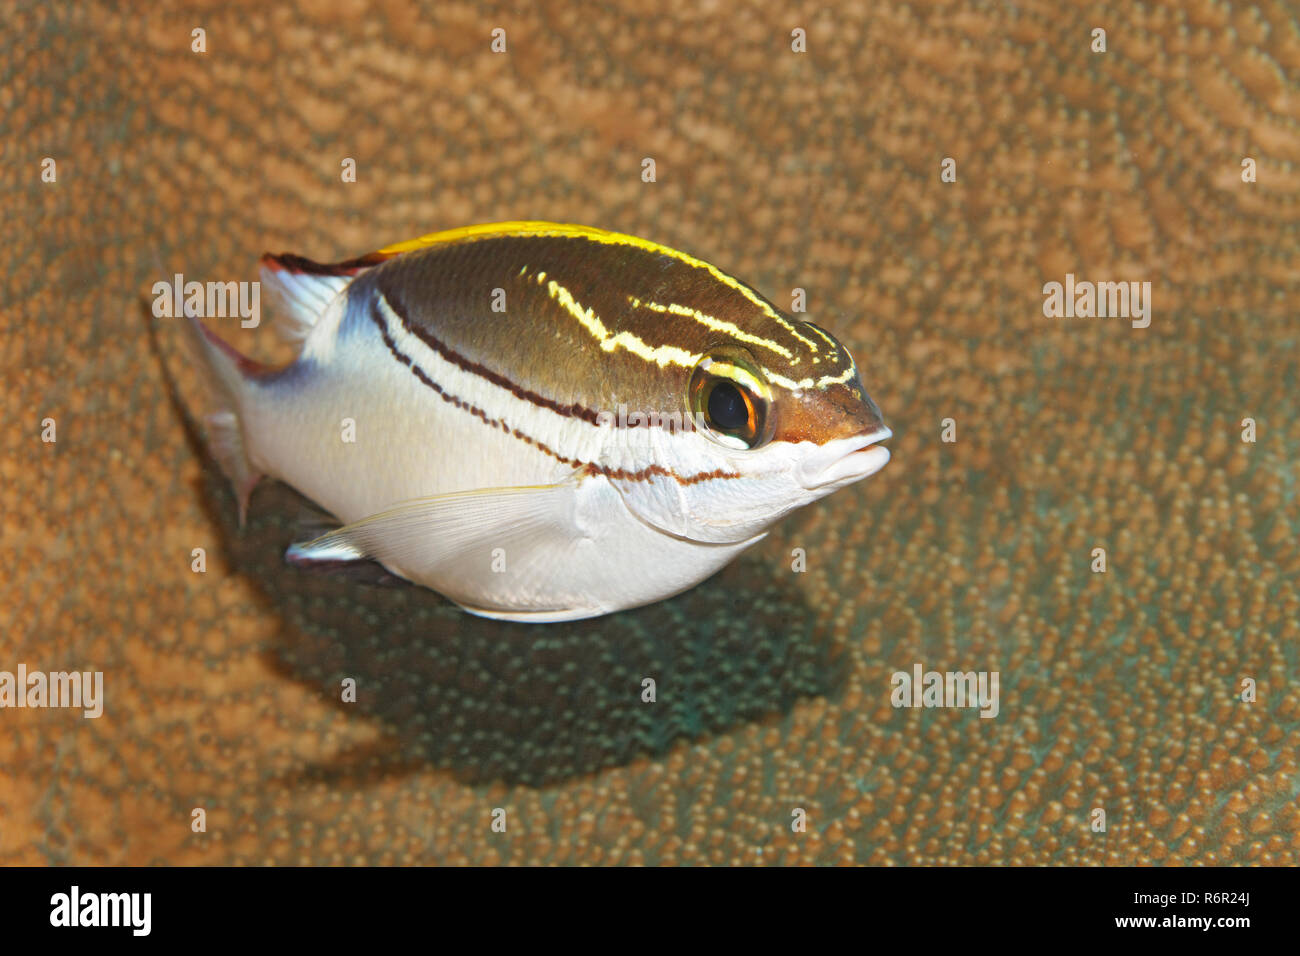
(872, 419)
(845, 460)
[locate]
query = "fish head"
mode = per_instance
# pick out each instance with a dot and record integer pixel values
(763, 436)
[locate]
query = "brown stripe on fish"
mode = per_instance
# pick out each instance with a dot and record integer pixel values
(541, 401)
(589, 468)
(425, 335)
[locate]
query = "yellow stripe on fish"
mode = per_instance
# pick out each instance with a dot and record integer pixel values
(533, 228)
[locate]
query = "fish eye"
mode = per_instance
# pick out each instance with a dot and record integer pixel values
(727, 400)
(729, 409)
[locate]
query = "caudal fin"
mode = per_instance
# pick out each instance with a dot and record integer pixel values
(231, 377)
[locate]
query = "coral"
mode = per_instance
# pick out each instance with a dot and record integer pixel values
(819, 171)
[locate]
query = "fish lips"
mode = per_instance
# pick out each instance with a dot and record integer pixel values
(845, 460)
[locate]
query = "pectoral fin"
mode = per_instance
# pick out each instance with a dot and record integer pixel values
(510, 538)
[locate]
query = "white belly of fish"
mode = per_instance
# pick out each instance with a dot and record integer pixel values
(581, 554)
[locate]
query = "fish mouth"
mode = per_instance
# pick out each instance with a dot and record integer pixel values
(846, 460)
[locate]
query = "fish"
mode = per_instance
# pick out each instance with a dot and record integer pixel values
(542, 422)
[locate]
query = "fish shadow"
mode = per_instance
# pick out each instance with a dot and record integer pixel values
(530, 704)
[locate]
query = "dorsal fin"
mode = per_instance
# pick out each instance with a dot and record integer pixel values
(301, 288)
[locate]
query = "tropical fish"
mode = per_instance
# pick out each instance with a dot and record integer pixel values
(541, 422)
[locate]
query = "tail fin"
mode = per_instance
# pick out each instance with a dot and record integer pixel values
(301, 290)
(231, 377)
